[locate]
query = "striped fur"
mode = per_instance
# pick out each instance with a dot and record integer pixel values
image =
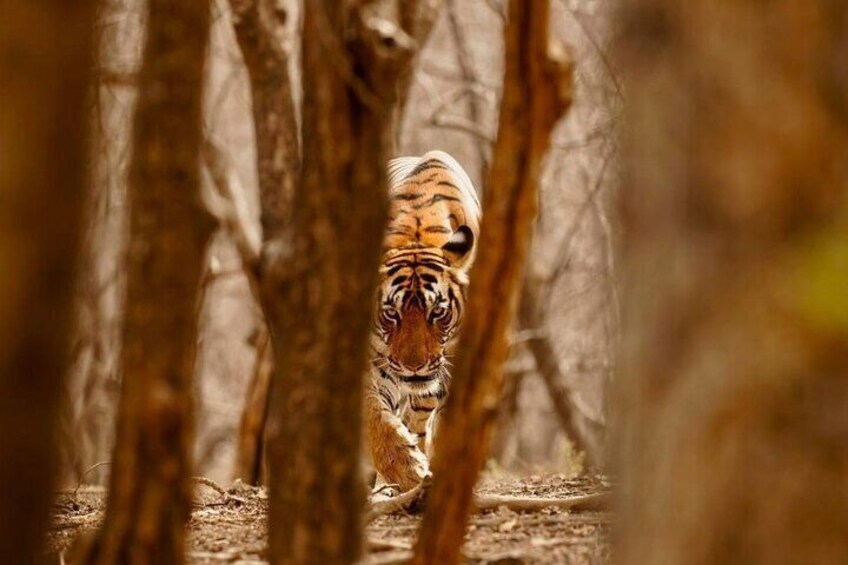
(430, 245)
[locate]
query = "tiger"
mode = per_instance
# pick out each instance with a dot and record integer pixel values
(429, 248)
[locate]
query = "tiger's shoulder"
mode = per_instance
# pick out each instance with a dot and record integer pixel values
(432, 201)
(427, 172)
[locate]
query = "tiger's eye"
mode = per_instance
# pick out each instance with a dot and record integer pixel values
(389, 315)
(438, 312)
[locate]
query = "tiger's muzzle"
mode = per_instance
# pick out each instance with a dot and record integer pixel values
(420, 374)
(415, 348)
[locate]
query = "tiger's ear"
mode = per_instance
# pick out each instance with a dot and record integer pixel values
(461, 242)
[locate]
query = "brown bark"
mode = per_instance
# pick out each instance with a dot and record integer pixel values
(250, 446)
(319, 288)
(260, 27)
(504, 441)
(733, 390)
(45, 52)
(417, 18)
(149, 494)
(537, 91)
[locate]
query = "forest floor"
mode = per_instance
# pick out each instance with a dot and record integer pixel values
(230, 526)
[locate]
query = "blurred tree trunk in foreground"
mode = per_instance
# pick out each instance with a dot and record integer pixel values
(150, 490)
(45, 52)
(318, 280)
(537, 91)
(734, 392)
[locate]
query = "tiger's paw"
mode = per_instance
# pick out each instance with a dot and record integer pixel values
(383, 491)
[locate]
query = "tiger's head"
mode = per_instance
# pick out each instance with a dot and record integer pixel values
(430, 246)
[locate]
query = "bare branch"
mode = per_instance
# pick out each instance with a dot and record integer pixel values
(563, 259)
(532, 315)
(229, 205)
(417, 17)
(600, 133)
(529, 503)
(460, 123)
(497, 7)
(463, 125)
(469, 75)
(403, 501)
(207, 482)
(416, 495)
(602, 55)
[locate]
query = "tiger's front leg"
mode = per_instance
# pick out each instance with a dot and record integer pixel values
(394, 450)
(419, 415)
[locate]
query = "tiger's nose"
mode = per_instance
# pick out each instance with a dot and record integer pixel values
(418, 367)
(409, 366)
(415, 367)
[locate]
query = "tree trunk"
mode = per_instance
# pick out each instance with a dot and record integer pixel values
(260, 27)
(250, 448)
(319, 286)
(45, 61)
(537, 91)
(733, 393)
(150, 489)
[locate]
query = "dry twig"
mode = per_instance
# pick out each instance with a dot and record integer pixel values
(219, 489)
(403, 501)
(416, 495)
(529, 503)
(387, 544)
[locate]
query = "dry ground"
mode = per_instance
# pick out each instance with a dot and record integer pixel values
(230, 527)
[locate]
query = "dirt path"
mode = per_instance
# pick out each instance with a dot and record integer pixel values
(231, 527)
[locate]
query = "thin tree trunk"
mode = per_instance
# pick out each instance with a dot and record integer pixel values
(537, 91)
(734, 384)
(319, 291)
(505, 441)
(150, 490)
(45, 61)
(260, 27)
(251, 438)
